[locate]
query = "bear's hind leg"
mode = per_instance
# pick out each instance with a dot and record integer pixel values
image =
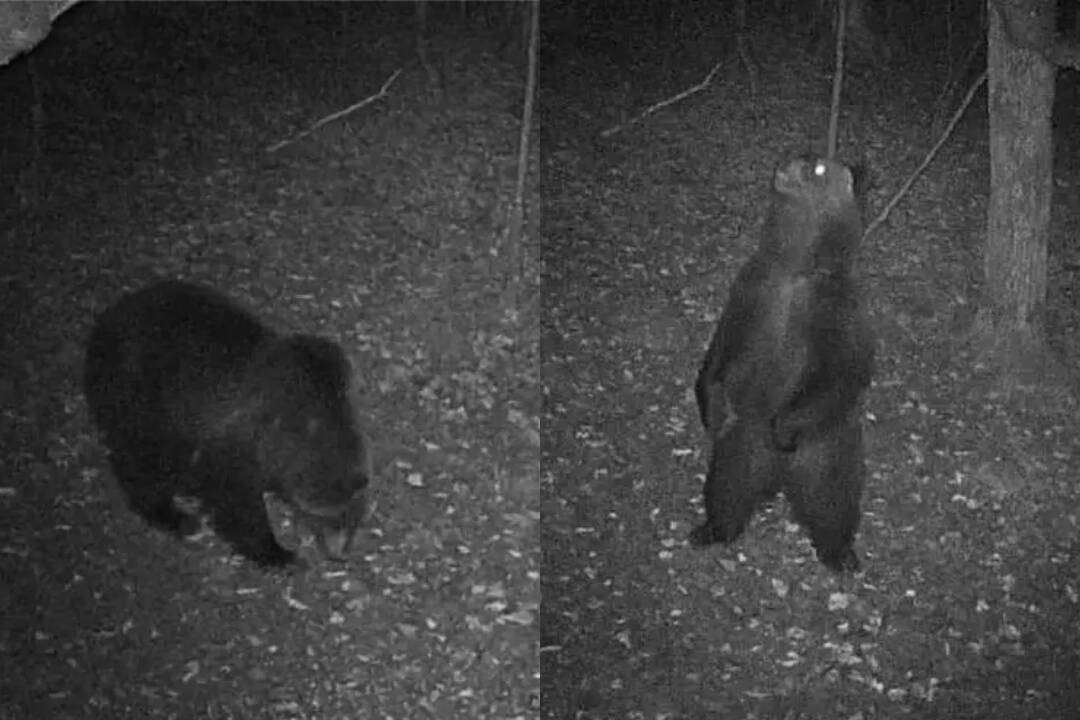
(740, 476)
(824, 492)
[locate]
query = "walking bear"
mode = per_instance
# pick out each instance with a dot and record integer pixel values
(194, 396)
(779, 389)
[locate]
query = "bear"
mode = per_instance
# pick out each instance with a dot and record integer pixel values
(194, 396)
(792, 354)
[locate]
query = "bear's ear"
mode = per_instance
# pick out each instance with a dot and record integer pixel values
(864, 182)
(863, 179)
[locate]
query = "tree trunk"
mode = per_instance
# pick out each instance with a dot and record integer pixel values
(1021, 96)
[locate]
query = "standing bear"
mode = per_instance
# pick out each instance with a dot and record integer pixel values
(194, 396)
(793, 352)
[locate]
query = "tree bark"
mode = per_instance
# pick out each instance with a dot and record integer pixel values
(1021, 96)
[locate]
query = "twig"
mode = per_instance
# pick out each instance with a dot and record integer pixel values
(334, 116)
(664, 103)
(929, 156)
(952, 82)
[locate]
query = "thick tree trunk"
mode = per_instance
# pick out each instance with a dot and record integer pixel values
(1021, 96)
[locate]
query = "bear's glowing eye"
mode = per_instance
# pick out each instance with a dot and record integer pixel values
(820, 169)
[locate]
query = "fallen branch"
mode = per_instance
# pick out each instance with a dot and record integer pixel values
(929, 156)
(664, 103)
(340, 113)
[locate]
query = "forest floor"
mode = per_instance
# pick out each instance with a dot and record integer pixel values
(377, 231)
(967, 606)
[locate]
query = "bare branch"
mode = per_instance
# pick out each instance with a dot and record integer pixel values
(929, 156)
(664, 103)
(340, 113)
